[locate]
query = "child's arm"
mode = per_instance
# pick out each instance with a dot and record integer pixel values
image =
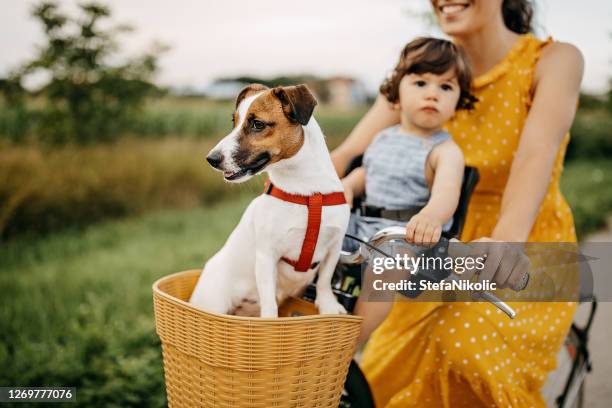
(447, 163)
(354, 184)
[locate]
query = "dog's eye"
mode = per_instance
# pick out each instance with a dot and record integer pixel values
(258, 125)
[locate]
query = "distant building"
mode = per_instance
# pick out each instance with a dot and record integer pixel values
(345, 92)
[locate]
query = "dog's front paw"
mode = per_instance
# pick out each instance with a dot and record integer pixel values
(269, 312)
(329, 305)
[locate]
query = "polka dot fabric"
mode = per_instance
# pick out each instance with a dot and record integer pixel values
(470, 354)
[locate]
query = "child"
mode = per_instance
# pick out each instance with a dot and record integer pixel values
(412, 172)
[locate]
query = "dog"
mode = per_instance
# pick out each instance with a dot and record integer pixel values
(253, 273)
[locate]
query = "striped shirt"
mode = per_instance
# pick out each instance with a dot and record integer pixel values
(395, 168)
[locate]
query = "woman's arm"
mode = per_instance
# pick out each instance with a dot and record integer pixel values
(381, 115)
(556, 87)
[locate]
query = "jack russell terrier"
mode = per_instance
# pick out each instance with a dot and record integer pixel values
(293, 230)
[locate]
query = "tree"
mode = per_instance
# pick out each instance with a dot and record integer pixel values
(87, 97)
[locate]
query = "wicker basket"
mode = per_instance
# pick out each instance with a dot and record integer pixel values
(213, 360)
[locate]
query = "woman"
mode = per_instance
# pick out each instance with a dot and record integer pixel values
(458, 354)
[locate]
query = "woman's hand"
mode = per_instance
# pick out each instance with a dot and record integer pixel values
(506, 263)
(423, 229)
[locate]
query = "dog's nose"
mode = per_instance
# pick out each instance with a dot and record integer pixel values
(215, 159)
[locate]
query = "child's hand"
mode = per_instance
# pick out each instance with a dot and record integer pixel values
(423, 229)
(348, 192)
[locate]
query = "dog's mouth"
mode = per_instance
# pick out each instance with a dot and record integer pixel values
(254, 167)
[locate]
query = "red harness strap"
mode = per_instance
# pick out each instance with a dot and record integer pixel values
(315, 203)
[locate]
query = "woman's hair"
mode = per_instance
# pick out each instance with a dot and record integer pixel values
(518, 15)
(433, 56)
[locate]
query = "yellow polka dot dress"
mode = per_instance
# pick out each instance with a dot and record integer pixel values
(470, 354)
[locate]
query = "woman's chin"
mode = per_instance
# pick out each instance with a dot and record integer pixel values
(455, 28)
(459, 23)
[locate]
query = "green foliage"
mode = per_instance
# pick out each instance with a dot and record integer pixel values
(87, 98)
(592, 102)
(591, 135)
(283, 80)
(587, 185)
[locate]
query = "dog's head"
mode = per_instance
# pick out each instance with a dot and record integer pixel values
(267, 128)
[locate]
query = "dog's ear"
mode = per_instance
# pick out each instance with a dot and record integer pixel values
(297, 101)
(249, 90)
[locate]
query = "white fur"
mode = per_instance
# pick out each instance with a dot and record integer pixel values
(229, 143)
(249, 266)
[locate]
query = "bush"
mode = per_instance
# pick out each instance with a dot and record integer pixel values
(87, 98)
(591, 135)
(587, 185)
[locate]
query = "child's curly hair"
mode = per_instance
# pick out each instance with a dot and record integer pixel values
(435, 56)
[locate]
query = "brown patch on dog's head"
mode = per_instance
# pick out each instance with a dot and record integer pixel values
(272, 127)
(248, 91)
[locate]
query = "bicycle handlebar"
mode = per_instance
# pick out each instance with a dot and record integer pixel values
(458, 249)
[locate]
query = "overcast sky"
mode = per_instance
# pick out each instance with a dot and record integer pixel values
(362, 38)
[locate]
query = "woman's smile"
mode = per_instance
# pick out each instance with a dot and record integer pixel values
(452, 9)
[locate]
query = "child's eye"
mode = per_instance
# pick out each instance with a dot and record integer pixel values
(420, 83)
(447, 87)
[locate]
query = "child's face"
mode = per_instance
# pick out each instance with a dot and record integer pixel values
(428, 100)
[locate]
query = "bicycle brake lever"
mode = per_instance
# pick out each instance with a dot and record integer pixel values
(491, 298)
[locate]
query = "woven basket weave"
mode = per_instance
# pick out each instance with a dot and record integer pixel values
(213, 360)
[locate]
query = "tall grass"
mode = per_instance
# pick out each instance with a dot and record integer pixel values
(44, 190)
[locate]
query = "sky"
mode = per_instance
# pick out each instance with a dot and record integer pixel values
(361, 38)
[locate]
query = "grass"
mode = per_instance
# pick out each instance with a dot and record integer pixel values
(77, 309)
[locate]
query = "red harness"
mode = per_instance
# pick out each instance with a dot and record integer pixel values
(315, 203)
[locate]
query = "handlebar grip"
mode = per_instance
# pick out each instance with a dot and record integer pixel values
(457, 248)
